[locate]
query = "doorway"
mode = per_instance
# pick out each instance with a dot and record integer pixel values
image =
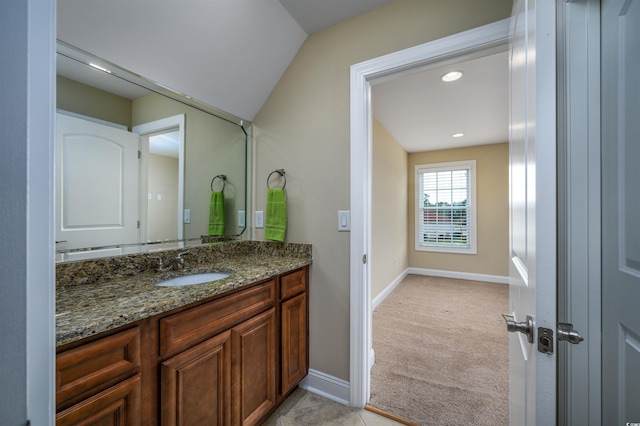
(448, 230)
(162, 186)
(483, 39)
(162, 179)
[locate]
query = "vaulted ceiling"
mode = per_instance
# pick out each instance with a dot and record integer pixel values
(231, 54)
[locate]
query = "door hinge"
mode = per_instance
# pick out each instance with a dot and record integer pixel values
(364, 259)
(139, 154)
(138, 224)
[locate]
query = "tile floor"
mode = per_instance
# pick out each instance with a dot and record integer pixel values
(306, 408)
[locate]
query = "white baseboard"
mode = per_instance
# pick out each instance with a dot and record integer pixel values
(387, 291)
(330, 387)
(498, 279)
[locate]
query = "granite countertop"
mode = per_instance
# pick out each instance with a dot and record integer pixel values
(97, 295)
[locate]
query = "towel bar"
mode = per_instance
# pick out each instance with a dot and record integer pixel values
(224, 181)
(281, 172)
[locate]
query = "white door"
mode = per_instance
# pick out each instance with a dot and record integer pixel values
(97, 184)
(532, 275)
(620, 205)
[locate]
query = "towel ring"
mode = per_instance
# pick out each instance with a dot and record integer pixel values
(224, 181)
(281, 172)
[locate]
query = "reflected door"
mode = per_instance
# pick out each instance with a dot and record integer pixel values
(97, 184)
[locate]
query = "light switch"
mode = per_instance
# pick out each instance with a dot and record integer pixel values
(259, 219)
(344, 220)
(241, 219)
(159, 197)
(187, 216)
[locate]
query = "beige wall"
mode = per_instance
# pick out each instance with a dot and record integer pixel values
(162, 214)
(213, 146)
(86, 100)
(304, 128)
(389, 256)
(492, 194)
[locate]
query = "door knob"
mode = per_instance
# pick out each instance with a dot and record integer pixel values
(525, 327)
(566, 332)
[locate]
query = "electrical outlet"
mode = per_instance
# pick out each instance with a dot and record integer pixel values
(187, 216)
(241, 219)
(260, 219)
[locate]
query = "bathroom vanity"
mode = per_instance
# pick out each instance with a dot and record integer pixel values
(224, 352)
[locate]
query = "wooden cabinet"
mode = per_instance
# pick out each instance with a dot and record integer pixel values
(254, 368)
(227, 361)
(294, 328)
(293, 334)
(99, 383)
(196, 384)
(118, 405)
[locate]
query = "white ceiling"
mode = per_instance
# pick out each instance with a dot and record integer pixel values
(316, 15)
(231, 54)
(166, 144)
(422, 112)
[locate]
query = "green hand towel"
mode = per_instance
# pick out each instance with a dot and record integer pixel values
(216, 213)
(276, 217)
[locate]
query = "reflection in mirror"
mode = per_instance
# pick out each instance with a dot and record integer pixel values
(135, 161)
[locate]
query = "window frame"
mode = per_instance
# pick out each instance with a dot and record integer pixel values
(472, 203)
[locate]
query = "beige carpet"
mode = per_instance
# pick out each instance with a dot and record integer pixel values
(442, 353)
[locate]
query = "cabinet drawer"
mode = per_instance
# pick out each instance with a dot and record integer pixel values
(184, 329)
(292, 284)
(117, 405)
(93, 367)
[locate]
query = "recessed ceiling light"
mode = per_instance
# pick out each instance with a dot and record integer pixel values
(451, 76)
(457, 135)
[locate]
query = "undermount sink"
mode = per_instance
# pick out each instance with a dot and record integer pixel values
(193, 279)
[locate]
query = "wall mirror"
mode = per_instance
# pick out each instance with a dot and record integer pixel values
(138, 164)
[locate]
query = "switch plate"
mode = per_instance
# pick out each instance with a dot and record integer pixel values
(260, 219)
(187, 216)
(344, 220)
(241, 219)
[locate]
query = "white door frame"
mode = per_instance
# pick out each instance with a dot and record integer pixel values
(147, 129)
(488, 36)
(579, 199)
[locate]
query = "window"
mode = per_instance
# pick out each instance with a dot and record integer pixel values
(446, 207)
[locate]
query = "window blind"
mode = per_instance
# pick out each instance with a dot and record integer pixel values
(444, 208)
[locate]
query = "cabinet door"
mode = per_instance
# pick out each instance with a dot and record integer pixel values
(118, 405)
(196, 384)
(253, 369)
(294, 341)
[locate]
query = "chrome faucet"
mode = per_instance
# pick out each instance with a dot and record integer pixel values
(173, 264)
